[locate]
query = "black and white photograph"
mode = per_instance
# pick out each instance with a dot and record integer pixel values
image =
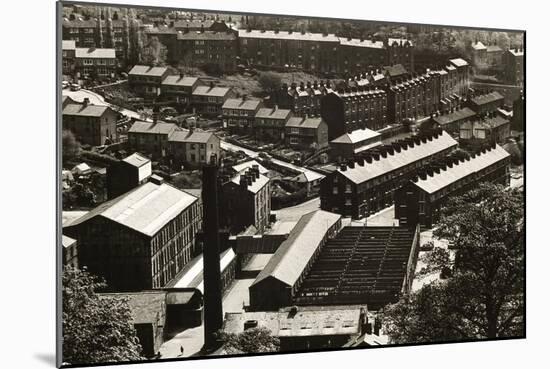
(236, 184)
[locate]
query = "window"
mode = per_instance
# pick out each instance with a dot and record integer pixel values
(348, 202)
(335, 190)
(348, 188)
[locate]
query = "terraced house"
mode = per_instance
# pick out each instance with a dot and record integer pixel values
(146, 80)
(97, 63)
(208, 100)
(193, 147)
(91, 124)
(239, 114)
(269, 123)
(306, 133)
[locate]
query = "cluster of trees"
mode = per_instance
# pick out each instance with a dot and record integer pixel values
(483, 296)
(95, 330)
(255, 340)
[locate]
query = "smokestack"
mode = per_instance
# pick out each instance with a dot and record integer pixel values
(213, 313)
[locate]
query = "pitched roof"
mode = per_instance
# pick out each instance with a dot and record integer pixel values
(360, 174)
(308, 321)
(291, 258)
(516, 52)
(487, 98)
(488, 123)
(68, 44)
(145, 209)
(145, 70)
(299, 122)
(356, 136)
(145, 306)
(355, 42)
(395, 70)
(493, 48)
(446, 177)
(85, 110)
(136, 159)
(159, 128)
(179, 81)
(248, 164)
(67, 241)
(256, 185)
(272, 113)
(244, 104)
(211, 91)
(93, 53)
(190, 136)
(284, 35)
(478, 46)
(193, 23)
(460, 114)
(207, 35)
(459, 62)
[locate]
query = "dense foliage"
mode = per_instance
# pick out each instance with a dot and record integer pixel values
(250, 341)
(484, 296)
(95, 330)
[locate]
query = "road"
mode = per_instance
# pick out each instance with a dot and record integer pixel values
(311, 175)
(97, 99)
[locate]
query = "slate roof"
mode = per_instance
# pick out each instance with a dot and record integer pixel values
(396, 70)
(487, 98)
(256, 186)
(159, 128)
(493, 49)
(145, 209)
(290, 259)
(136, 159)
(271, 113)
(145, 70)
(446, 177)
(463, 113)
(247, 104)
(248, 164)
(299, 122)
(211, 91)
(360, 174)
(67, 241)
(68, 45)
(85, 111)
(285, 35)
(207, 35)
(94, 53)
(192, 137)
(459, 62)
(355, 42)
(308, 321)
(356, 136)
(179, 81)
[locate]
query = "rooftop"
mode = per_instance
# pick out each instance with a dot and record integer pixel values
(207, 35)
(136, 159)
(299, 122)
(476, 163)
(211, 91)
(68, 44)
(356, 136)
(193, 136)
(285, 35)
(478, 46)
(487, 98)
(179, 81)
(146, 306)
(146, 209)
(460, 114)
(145, 70)
(459, 62)
(399, 41)
(361, 43)
(248, 164)
(307, 321)
(256, 185)
(493, 48)
(93, 53)
(360, 174)
(161, 128)
(244, 104)
(67, 241)
(273, 113)
(85, 110)
(291, 258)
(395, 70)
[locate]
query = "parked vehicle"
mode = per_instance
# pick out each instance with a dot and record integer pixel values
(75, 87)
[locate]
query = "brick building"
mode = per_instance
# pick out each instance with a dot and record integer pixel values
(200, 48)
(400, 51)
(127, 174)
(303, 99)
(91, 124)
(348, 110)
(269, 124)
(68, 48)
(208, 100)
(146, 80)
(479, 53)
(361, 188)
(246, 201)
(96, 63)
(141, 239)
(306, 133)
(151, 137)
(239, 114)
(420, 201)
(451, 122)
(349, 145)
(514, 66)
(491, 128)
(193, 147)
(179, 88)
(358, 55)
(486, 103)
(494, 55)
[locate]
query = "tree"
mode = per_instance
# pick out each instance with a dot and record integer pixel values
(95, 329)
(250, 341)
(154, 53)
(484, 297)
(270, 81)
(70, 147)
